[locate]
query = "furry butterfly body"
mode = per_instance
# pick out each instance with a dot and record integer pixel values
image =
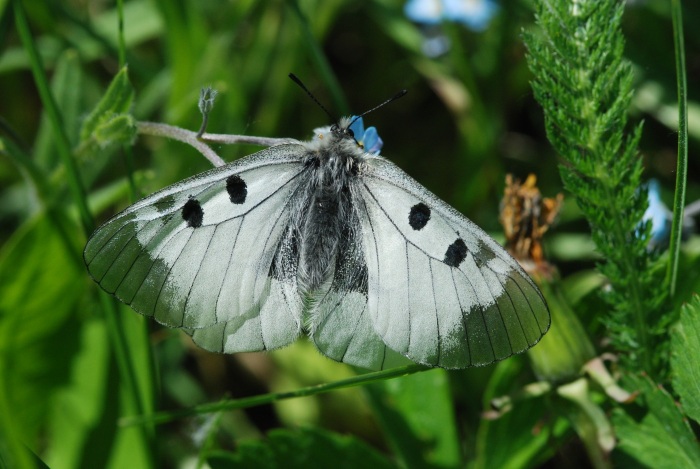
(326, 238)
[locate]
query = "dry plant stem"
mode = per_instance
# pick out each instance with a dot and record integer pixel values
(189, 137)
(228, 139)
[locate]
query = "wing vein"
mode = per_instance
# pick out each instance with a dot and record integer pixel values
(437, 316)
(170, 269)
(462, 311)
(194, 280)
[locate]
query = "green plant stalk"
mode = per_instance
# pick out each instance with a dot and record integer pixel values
(120, 35)
(319, 58)
(164, 417)
(79, 196)
(682, 163)
(128, 155)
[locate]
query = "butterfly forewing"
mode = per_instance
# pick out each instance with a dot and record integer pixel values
(197, 254)
(441, 291)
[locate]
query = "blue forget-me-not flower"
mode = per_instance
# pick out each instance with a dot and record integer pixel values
(474, 14)
(661, 217)
(368, 138)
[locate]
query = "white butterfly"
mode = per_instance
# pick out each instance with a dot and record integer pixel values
(322, 237)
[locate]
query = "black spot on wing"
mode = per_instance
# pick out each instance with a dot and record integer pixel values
(192, 213)
(419, 216)
(237, 189)
(456, 253)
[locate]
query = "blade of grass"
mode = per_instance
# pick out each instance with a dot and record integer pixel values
(128, 155)
(682, 164)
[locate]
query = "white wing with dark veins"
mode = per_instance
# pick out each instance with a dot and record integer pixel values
(197, 255)
(440, 290)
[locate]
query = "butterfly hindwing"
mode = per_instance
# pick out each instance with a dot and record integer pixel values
(440, 290)
(197, 254)
(341, 327)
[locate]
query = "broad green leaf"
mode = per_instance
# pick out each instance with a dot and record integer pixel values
(685, 350)
(417, 415)
(302, 448)
(524, 436)
(80, 424)
(83, 419)
(563, 351)
(662, 438)
(42, 281)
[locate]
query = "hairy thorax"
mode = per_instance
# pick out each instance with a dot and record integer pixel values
(328, 219)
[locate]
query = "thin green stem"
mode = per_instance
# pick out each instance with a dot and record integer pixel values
(164, 417)
(682, 164)
(126, 149)
(120, 30)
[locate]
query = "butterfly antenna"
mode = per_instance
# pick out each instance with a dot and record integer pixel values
(398, 95)
(296, 80)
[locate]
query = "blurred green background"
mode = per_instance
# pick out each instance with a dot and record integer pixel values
(469, 119)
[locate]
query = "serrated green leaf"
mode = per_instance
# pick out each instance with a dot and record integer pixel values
(685, 350)
(662, 438)
(584, 85)
(303, 448)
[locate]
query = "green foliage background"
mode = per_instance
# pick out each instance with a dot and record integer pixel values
(73, 362)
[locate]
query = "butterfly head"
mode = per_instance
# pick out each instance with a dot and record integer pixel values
(351, 132)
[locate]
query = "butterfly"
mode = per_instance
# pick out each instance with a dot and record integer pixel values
(324, 237)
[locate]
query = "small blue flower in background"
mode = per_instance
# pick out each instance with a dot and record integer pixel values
(369, 139)
(474, 14)
(659, 215)
(662, 218)
(424, 11)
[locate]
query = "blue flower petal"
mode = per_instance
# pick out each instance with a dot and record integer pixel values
(659, 215)
(357, 127)
(474, 14)
(371, 141)
(424, 11)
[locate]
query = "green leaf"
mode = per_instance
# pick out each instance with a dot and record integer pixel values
(42, 281)
(417, 416)
(522, 436)
(685, 350)
(561, 353)
(302, 448)
(584, 84)
(110, 121)
(67, 85)
(662, 438)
